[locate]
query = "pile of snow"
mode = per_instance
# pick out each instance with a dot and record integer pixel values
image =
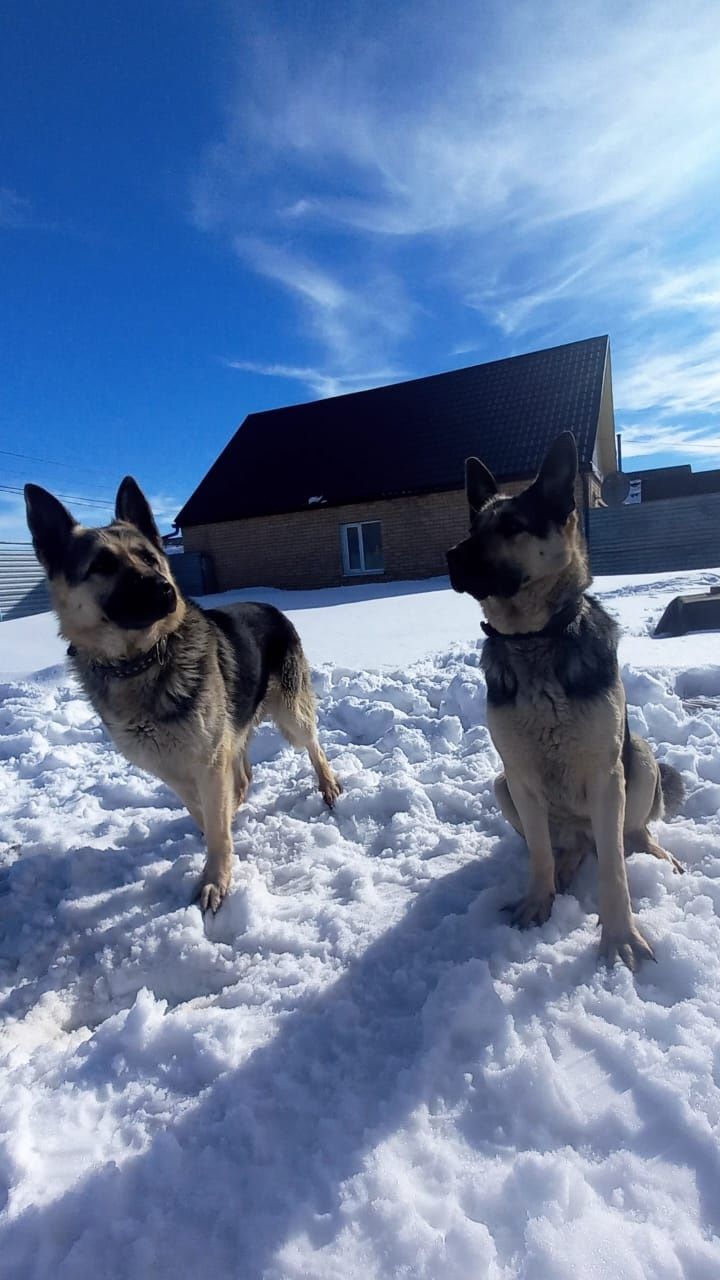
(357, 1069)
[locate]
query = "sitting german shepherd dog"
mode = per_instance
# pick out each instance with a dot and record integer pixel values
(178, 688)
(556, 704)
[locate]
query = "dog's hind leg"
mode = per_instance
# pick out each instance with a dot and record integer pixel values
(297, 724)
(642, 842)
(292, 707)
(242, 776)
(242, 770)
(644, 803)
(507, 806)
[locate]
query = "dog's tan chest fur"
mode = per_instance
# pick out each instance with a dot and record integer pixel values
(558, 745)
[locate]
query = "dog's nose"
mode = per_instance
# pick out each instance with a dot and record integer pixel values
(167, 594)
(454, 568)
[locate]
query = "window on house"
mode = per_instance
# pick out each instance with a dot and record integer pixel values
(362, 547)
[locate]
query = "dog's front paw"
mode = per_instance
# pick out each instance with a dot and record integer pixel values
(211, 891)
(534, 908)
(626, 944)
(331, 788)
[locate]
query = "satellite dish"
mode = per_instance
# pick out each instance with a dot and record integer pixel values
(615, 488)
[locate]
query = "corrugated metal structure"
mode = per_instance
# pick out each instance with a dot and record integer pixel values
(23, 590)
(654, 537)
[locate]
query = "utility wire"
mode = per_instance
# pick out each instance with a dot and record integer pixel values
(29, 457)
(9, 474)
(100, 504)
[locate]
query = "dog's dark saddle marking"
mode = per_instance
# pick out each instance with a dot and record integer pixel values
(576, 650)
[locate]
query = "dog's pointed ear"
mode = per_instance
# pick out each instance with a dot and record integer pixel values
(132, 506)
(479, 483)
(555, 483)
(50, 524)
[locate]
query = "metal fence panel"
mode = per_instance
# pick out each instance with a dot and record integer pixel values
(23, 589)
(192, 570)
(656, 537)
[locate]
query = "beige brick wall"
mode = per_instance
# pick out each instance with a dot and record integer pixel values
(302, 549)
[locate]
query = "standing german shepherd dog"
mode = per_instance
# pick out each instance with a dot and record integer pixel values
(556, 705)
(179, 688)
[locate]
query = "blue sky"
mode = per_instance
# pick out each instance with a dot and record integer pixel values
(208, 209)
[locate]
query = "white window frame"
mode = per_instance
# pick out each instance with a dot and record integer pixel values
(357, 573)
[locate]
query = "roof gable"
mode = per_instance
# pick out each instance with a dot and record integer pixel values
(409, 437)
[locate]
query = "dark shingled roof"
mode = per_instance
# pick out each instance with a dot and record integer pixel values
(410, 437)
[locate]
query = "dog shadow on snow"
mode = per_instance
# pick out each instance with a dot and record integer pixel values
(114, 891)
(261, 1157)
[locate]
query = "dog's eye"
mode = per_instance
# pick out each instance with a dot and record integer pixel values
(511, 525)
(104, 562)
(148, 558)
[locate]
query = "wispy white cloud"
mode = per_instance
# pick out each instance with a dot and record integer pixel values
(350, 321)
(685, 444)
(15, 210)
(547, 176)
(320, 382)
(675, 377)
(18, 213)
(301, 277)
(587, 112)
(691, 288)
(165, 508)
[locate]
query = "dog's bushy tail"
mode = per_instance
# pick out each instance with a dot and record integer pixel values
(673, 789)
(293, 668)
(296, 680)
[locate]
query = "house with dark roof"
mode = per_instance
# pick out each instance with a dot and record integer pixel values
(369, 486)
(656, 484)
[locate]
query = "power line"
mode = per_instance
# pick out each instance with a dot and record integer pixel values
(99, 504)
(29, 457)
(9, 473)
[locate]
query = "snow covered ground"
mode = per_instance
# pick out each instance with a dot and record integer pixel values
(357, 1070)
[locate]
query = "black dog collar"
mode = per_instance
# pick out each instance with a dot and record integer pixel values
(555, 625)
(131, 667)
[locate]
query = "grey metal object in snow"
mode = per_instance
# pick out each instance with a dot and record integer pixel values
(697, 612)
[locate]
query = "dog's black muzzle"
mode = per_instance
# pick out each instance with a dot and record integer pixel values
(469, 573)
(455, 568)
(462, 567)
(137, 601)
